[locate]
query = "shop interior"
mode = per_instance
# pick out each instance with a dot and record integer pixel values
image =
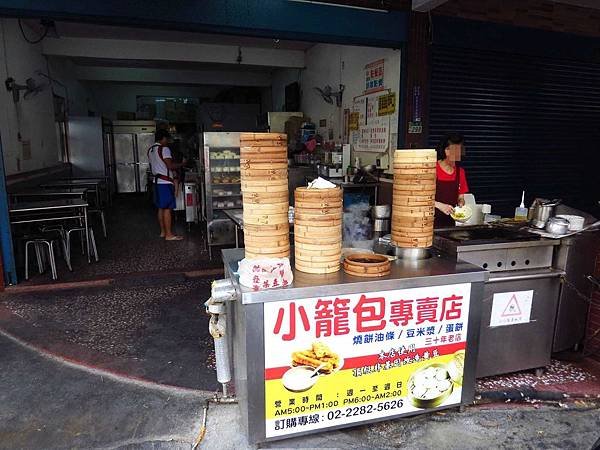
(92, 96)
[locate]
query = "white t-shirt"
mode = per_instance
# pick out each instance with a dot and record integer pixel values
(158, 165)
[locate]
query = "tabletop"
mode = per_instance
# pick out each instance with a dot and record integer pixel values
(66, 183)
(48, 205)
(236, 215)
(78, 192)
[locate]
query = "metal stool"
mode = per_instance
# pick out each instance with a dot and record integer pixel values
(81, 230)
(62, 235)
(38, 244)
(102, 219)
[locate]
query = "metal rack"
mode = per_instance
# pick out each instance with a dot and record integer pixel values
(221, 187)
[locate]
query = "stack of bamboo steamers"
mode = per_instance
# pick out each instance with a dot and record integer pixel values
(413, 205)
(264, 178)
(318, 230)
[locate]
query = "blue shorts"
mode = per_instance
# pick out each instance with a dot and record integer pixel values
(164, 196)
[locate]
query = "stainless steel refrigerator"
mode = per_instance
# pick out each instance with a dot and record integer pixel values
(132, 139)
(90, 151)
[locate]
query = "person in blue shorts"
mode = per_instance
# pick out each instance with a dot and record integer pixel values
(163, 166)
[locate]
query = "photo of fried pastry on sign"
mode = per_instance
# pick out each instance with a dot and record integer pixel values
(308, 365)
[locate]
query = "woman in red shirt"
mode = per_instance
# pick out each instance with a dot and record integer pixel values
(451, 182)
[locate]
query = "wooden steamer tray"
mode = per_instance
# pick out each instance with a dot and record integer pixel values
(318, 230)
(367, 265)
(264, 186)
(413, 200)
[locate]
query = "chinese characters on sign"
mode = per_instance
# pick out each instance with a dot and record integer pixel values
(375, 136)
(373, 349)
(374, 76)
(386, 104)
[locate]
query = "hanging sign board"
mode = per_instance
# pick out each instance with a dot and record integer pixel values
(382, 354)
(511, 308)
(353, 121)
(374, 76)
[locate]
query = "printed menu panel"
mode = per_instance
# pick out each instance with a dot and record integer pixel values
(337, 360)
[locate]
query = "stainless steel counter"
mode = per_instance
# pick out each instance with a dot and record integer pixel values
(256, 343)
(437, 270)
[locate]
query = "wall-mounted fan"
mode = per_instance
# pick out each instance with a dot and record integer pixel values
(31, 88)
(329, 95)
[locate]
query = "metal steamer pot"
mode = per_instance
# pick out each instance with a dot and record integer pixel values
(541, 210)
(557, 225)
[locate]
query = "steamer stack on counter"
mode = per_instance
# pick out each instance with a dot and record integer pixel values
(264, 178)
(413, 205)
(318, 230)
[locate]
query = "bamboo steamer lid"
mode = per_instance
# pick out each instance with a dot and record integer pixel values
(266, 241)
(278, 235)
(323, 211)
(412, 192)
(316, 270)
(268, 228)
(402, 187)
(417, 227)
(421, 178)
(306, 193)
(262, 159)
(418, 181)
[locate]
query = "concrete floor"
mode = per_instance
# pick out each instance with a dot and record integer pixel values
(45, 404)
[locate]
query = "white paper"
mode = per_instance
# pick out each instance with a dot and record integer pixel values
(511, 308)
(321, 183)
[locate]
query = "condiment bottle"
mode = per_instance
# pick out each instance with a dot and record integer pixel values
(521, 211)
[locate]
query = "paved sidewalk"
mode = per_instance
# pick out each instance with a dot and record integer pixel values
(45, 404)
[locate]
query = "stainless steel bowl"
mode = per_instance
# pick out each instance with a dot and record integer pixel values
(412, 253)
(381, 211)
(557, 225)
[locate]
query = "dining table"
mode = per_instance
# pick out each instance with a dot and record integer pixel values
(57, 210)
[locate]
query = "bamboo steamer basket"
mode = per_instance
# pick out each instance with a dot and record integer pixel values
(316, 240)
(309, 194)
(318, 229)
(413, 198)
(268, 250)
(254, 255)
(366, 265)
(266, 208)
(316, 270)
(264, 186)
(306, 253)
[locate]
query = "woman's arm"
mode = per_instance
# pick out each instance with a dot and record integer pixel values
(445, 208)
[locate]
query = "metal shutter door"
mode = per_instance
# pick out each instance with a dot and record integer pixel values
(530, 123)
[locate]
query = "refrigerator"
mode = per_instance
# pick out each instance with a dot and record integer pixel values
(90, 146)
(132, 139)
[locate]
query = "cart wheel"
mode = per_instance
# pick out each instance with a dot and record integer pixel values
(540, 371)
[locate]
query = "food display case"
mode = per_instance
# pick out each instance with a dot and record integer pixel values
(221, 186)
